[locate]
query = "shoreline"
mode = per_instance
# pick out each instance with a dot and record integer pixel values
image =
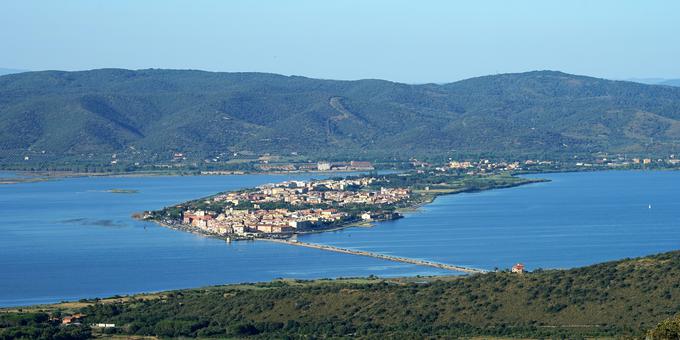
(416, 279)
(355, 224)
(45, 176)
(156, 293)
(197, 231)
(145, 173)
(2, 309)
(152, 173)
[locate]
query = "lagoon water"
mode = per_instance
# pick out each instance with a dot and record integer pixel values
(70, 239)
(575, 219)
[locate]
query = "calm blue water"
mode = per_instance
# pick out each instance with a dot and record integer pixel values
(575, 220)
(69, 239)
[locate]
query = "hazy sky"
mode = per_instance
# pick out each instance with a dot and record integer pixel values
(407, 41)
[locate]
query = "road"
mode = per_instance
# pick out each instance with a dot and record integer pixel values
(456, 268)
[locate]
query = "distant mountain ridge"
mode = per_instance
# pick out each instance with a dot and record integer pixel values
(656, 81)
(4, 71)
(670, 82)
(148, 115)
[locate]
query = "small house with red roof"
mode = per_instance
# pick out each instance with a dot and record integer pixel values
(518, 268)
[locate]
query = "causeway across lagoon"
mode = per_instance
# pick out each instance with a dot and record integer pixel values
(456, 268)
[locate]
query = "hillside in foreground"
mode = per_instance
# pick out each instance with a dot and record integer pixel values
(147, 116)
(614, 299)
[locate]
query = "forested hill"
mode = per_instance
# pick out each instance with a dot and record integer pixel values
(148, 115)
(614, 300)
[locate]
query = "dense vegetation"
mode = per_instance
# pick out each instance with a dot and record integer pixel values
(83, 118)
(621, 298)
(666, 330)
(38, 326)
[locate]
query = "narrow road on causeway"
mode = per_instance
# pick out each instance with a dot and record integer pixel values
(381, 256)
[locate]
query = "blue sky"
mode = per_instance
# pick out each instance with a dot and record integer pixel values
(406, 41)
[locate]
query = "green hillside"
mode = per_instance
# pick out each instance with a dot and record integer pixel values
(147, 115)
(615, 299)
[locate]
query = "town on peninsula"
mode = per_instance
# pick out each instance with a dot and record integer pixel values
(282, 210)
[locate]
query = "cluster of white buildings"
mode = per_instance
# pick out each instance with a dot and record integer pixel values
(332, 192)
(623, 162)
(337, 193)
(485, 165)
(243, 222)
